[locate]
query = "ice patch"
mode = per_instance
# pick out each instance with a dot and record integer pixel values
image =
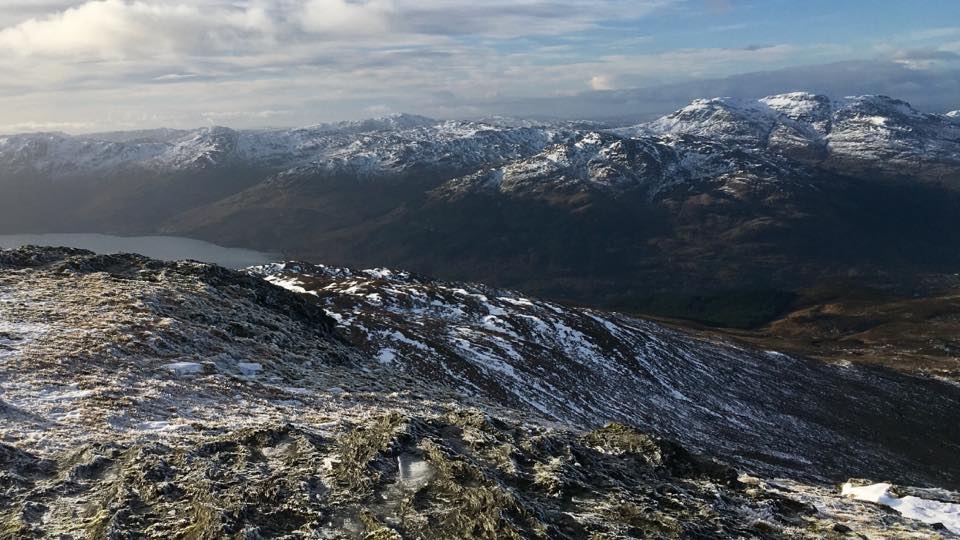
(334, 315)
(911, 507)
(518, 301)
(384, 273)
(399, 337)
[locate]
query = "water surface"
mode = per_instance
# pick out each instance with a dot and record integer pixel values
(167, 248)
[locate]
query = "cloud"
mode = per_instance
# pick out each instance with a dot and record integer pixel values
(31, 127)
(926, 58)
(719, 6)
(341, 17)
(127, 63)
(119, 29)
(214, 117)
(115, 29)
(601, 82)
(173, 77)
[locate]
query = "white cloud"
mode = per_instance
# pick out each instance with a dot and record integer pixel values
(342, 17)
(601, 82)
(29, 127)
(117, 29)
(121, 29)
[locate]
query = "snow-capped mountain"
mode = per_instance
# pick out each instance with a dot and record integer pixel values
(379, 146)
(594, 159)
(607, 162)
(777, 139)
(867, 132)
(143, 398)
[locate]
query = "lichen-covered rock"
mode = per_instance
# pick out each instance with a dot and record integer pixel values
(288, 481)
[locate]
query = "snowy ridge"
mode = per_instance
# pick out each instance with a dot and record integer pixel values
(733, 142)
(586, 367)
(787, 132)
(873, 131)
(379, 146)
(594, 160)
(607, 162)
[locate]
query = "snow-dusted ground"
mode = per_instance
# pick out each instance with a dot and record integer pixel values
(148, 376)
(14, 333)
(587, 367)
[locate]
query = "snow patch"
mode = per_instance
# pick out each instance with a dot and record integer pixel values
(161, 425)
(911, 507)
(290, 284)
(386, 356)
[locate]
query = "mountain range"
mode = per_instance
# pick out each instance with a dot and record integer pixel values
(797, 128)
(725, 212)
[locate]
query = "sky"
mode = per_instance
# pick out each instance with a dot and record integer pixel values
(82, 66)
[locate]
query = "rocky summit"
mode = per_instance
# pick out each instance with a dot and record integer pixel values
(144, 399)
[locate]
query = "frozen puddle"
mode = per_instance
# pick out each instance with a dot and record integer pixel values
(911, 507)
